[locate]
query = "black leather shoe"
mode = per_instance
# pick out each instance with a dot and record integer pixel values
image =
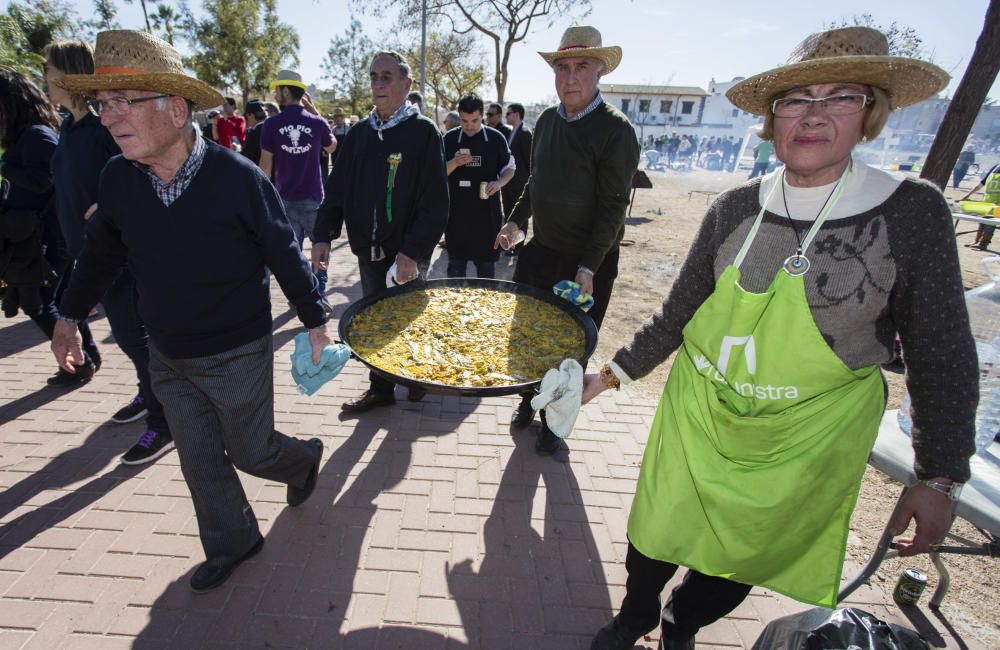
(415, 394)
(671, 644)
(368, 400)
(617, 636)
(297, 496)
(83, 374)
(212, 573)
(548, 443)
(523, 414)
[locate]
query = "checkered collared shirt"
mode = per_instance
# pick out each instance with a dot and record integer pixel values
(171, 191)
(591, 107)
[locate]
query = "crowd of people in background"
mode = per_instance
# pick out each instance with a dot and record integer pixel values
(714, 153)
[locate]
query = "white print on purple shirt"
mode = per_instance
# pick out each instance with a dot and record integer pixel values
(294, 132)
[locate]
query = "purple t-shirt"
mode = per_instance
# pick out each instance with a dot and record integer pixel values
(295, 138)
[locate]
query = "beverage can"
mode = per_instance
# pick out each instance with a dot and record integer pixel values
(909, 587)
(482, 190)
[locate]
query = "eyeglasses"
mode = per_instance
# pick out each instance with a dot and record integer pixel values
(848, 104)
(120, 105)
(492, 114)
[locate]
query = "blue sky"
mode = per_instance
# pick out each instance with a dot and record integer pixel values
(677, 43)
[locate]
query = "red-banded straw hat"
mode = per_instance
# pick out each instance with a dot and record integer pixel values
(127, 59)
(847, 55)
(585, 41)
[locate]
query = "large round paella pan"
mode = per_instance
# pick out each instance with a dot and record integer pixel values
(447, 336)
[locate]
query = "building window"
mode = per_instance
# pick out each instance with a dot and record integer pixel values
(643, 105)
(625, 103)
(687, 108)
(736, 112)
(666, 105)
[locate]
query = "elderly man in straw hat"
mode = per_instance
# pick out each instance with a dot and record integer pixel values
(584, 156)
(788, 302)
(200, 258)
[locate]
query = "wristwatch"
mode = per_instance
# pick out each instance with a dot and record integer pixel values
(951, 490)
(608, 378)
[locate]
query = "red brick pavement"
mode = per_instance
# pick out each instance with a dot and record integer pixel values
(433, 526)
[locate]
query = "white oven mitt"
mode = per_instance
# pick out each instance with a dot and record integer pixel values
(559, 395)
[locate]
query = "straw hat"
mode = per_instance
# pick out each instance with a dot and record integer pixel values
(288, 78)
(135, 60)
(848, 55)
(585, 41)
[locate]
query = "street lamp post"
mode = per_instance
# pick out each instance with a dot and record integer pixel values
(423, 45)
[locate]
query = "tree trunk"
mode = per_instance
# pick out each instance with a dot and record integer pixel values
(145, 14)
(968, 99)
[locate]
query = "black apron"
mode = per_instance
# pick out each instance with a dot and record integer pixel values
(473, 223)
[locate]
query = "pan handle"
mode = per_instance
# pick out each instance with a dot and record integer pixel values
(353, 355)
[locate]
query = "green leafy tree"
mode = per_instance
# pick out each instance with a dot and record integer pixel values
(105, 17)
(165, 21)
(145, 13)
(240, 44)
(346, 66)
(903, 40)
(504, 23)
(26, 30)
(454, 66)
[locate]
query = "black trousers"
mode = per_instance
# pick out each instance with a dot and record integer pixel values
(698, 601)
(543, 267)
(373, 281)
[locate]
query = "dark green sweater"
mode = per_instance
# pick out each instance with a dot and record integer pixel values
(581, 175)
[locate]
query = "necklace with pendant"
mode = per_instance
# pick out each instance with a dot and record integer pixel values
(798, 263)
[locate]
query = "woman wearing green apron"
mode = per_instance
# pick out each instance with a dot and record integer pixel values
(790, 298)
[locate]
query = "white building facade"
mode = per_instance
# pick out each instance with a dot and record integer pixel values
(660, 110)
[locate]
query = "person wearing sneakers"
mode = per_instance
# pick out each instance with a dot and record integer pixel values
(790, 298)
(205, 299)
(84, 148)
(583, 157)
(33, 261)
(390, 188)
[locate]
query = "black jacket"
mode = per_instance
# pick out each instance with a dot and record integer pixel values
(520, 148)
(356, 191)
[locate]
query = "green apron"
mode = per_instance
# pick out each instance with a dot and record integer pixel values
(760, 440)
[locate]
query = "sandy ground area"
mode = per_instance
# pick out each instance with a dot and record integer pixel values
(663, 222)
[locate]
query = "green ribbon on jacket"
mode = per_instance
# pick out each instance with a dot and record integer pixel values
(394, 160)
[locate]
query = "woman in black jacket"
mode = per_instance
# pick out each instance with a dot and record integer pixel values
(32, 252)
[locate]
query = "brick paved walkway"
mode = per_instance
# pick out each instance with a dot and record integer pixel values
(432, 525)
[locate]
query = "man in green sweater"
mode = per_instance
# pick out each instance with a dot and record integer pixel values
(582, 161)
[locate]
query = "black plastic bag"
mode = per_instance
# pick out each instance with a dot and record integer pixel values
(838, 629)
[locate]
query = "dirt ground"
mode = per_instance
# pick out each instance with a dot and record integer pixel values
(662, 224)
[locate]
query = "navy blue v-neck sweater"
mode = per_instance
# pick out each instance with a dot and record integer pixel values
(201, 263)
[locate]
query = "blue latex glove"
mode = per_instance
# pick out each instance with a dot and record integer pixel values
(570, 291)
(308, 376)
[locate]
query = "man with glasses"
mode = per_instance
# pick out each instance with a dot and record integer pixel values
(200, 258)
(494, 119)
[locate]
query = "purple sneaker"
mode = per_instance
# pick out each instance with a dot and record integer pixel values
(132, 411)
(151, 445)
